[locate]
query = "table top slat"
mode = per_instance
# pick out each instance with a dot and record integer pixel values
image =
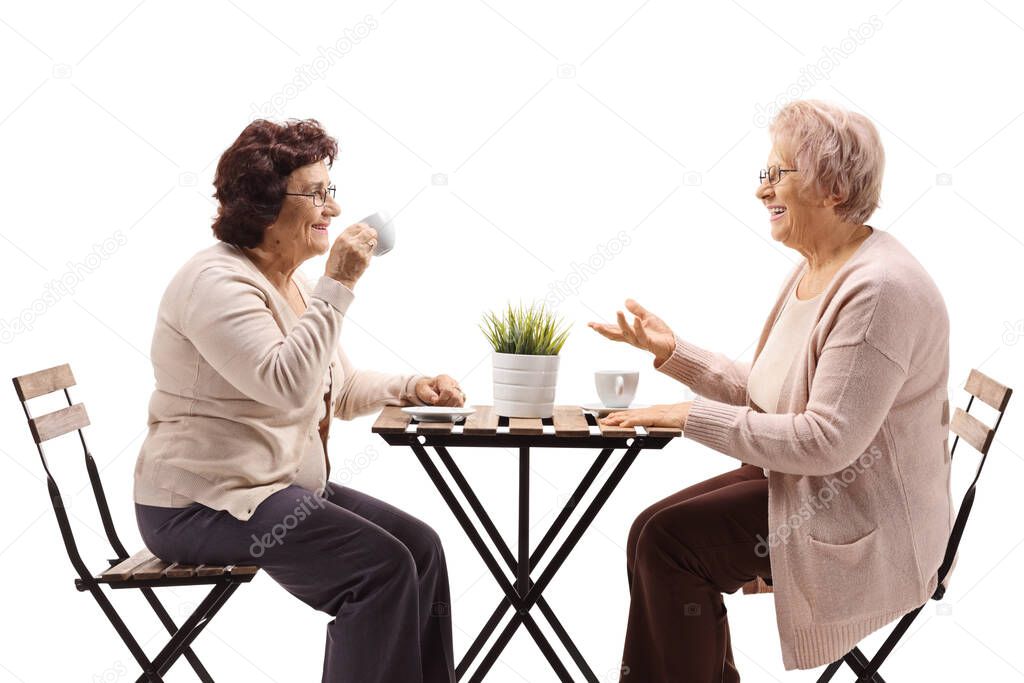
(614, 431)
(484, 421)
(525, 425)
(570, 427)
(391, 421)
(569, 421)
(433, 427)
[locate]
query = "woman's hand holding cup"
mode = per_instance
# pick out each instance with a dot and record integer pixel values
(647, 331)
(350, 254)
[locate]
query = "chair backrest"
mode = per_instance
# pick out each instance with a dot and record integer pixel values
(58, 423)
(980, 436)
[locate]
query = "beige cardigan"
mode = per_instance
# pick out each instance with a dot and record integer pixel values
(859, 507)
(239, 382)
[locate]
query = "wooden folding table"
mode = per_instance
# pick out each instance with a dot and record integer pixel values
(570, 427)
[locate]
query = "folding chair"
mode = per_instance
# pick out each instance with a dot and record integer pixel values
(141, 570)
(980, 436)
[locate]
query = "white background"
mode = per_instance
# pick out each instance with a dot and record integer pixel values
(514, 141)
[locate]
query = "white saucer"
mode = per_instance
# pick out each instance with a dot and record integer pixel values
(601, 409)
(438, 413)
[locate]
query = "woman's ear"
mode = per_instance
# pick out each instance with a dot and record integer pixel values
(832, 200)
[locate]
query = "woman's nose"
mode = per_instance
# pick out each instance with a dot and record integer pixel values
(332, 208)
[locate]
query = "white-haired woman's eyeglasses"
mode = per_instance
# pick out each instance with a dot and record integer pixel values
(774, 174)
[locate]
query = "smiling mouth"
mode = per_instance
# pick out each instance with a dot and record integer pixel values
(777, 213)
(320, 227)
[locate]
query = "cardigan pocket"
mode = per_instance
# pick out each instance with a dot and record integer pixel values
(841, 580)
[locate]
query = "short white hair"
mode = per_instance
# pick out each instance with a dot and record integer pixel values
(838, 153)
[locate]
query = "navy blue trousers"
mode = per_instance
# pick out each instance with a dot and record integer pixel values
(377, 570)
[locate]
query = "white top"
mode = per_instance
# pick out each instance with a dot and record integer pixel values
(312, 472)
(787, 338)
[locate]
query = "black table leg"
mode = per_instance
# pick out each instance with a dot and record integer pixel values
(583, 523)
(523, 565)
(514, 565)
(534, 594)
(478, 642)
(547, 650)
(474, 536)
(570, 506)
(464, 521)
(566, 641)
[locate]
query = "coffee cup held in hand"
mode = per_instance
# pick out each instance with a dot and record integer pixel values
(385, 227)
(616, 389)
(349, 255)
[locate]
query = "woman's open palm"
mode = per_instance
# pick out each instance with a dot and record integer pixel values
(647, 331)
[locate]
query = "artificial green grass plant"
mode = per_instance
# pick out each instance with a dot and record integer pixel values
(532, 331)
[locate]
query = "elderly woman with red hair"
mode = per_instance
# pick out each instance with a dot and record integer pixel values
(249, 373)
(842, 501)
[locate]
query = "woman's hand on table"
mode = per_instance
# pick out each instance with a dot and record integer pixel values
(647, 331)
(672, 415)
(440, 391)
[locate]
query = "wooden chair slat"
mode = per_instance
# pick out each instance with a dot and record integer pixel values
(242, 569)
(569, 421)
(44, 382)
(123, 569)
(150, 569)
(983, 387)
(615, 431)
(525, 425)
(664, 431)
(209, 570)
(972, 430)
(144, 566)
(434, 427)
(50, 425)
(391, 421)
(483, 421)
(180, 571)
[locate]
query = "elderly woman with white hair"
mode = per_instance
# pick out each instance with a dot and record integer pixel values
(842, 502)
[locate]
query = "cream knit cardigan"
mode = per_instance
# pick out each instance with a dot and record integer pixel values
(238, 383)
(859, 507)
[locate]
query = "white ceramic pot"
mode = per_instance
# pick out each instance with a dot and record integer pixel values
(524, 386)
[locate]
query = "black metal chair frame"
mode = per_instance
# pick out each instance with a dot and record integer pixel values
(181, 636)
(867, 669)
(521, 592)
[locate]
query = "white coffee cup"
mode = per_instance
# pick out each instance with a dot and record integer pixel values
(615, 388)
(385, 227)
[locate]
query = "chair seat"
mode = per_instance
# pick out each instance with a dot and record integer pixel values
(144, 566)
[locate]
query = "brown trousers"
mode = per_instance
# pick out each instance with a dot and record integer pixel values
(683, 553)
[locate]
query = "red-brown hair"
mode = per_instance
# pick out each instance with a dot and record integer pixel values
(252, 175)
